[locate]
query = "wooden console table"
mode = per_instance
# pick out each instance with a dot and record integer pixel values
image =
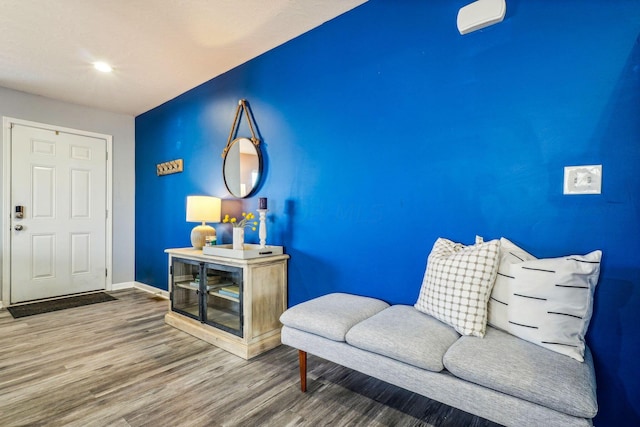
(234, 304)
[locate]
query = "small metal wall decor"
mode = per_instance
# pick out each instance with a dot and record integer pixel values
(172, 166)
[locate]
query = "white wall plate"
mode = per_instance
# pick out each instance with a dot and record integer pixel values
(583, 179)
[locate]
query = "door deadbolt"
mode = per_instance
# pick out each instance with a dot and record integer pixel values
(18, 227)
(19, 211)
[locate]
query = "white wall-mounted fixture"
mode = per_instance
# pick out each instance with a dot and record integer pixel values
(583, 179)
(480, 14)
(202, 209)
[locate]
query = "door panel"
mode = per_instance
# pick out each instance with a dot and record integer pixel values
(80, 194)
(43, 257)
(60, 179)
(80, 250)
(43, 202)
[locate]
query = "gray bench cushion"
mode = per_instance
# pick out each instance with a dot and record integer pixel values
(403, 333)
(331, 316)
(516, 367)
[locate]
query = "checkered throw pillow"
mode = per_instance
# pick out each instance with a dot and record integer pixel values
(457, 284)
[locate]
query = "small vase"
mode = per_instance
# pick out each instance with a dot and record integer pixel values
(238, 238)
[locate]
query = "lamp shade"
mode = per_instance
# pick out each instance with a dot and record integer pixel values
(203, 209)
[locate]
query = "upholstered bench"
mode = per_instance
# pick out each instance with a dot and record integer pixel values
(499, 377)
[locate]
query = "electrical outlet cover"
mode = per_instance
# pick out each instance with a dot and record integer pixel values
(583, 179)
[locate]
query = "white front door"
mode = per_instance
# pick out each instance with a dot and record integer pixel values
(59, 180)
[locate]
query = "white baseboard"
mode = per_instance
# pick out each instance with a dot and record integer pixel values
(151, 289)
(123, 285)
(142, 287)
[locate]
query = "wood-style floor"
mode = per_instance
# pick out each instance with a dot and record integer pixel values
(118, 364)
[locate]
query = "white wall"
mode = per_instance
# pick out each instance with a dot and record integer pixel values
(20, 105)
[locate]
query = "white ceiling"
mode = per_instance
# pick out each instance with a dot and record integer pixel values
(158, 48)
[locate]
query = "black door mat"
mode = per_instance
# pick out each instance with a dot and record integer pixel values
(58, 304)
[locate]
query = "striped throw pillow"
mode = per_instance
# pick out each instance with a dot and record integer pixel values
(552, 301)
(498, 308)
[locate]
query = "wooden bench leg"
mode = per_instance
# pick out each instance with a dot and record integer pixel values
(302, 358)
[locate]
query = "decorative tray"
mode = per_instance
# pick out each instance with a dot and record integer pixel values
(250, 251)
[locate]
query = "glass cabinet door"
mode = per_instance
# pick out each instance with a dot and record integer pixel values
(223, 298)
(185, 298)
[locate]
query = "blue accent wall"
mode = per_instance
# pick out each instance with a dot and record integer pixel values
(384, 129)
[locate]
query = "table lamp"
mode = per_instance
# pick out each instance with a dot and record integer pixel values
(202, 209)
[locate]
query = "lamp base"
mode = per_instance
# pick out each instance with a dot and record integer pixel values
(199, 235)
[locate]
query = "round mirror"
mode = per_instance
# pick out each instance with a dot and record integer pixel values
(242, 167)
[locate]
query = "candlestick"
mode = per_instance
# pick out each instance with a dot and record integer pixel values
(262, 229)
(262, 203)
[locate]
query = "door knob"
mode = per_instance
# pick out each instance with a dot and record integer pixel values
(18, 227)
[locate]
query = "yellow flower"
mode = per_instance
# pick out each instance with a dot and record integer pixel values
(244, 222)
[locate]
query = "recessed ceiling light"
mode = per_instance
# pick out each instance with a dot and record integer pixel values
(102, 66)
